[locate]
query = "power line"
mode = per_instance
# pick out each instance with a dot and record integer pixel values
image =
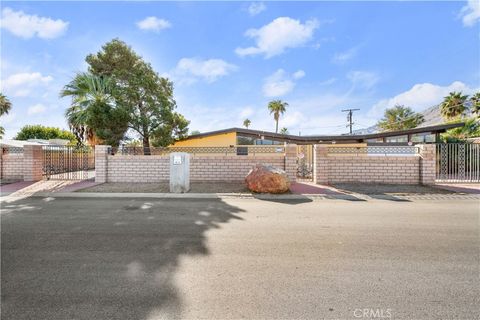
(350, 117)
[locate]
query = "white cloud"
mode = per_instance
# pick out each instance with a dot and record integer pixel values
(246, 112)
(256, 7)
(293, 119)
(153, 24)
(8, 118)
(327, 82)
(470, 13)
(299, 74)
(420, 97)
(280, 83)
(343, 57)
(210, 70)
(277, 36)
(19, 84)
(364, 79)
(27, 26)
(36, 109)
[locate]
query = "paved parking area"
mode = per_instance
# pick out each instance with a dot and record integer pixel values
(151, 259)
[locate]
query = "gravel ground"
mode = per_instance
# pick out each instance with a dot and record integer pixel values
(229, 187)
(389, 189)
(162, 187)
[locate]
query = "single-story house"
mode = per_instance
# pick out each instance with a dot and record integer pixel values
(242, 136)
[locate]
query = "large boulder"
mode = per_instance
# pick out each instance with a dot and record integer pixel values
(267, 179)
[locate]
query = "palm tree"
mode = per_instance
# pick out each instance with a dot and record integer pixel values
(86, 90)
(400, 118)
(277, 108)
(453, 105)
(246, 123)
(284, 131)
(5, 106)
(475, 101)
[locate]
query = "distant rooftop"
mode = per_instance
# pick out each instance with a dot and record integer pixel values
(21, 143)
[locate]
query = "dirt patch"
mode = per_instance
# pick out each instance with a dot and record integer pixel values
(392, 189)
(162, 187)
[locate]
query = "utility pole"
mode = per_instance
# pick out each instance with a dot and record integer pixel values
(350, 117)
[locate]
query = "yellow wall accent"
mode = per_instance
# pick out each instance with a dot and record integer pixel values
(218, 140)
(344, 145)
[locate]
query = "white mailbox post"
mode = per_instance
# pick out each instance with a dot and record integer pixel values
(179, 172)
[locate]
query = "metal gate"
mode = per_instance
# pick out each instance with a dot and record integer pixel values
(68, 162)
(305, 162)
(458, 162)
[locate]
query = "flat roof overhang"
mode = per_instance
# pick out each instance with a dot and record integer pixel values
(328, 139)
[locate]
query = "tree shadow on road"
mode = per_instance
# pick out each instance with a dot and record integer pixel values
(101, 258)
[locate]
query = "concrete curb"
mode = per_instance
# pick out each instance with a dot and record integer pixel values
(176, 195)
(311, 197)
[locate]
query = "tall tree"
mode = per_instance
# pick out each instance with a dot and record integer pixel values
(475, 101)
(246, 123)
(471, 129)
(147, 96)
(93, 113)
(284, 130)
(277, 108)
(5, 106)
(453, 105)
(400, 118)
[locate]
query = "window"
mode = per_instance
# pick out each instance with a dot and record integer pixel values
(242, 140)
(397, 139)
(245, 141)
(267, 142)
(423, 137)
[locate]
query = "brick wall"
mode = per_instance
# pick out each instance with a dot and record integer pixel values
(427, 163)
(373, 169)
(101, 163)
(119, 168)
(12, 166)
(229, 168)
(408, 169)
(32, 162)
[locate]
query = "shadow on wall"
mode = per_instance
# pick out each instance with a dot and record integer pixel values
(102, 259)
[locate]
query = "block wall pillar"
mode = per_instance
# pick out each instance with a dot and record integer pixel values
(101, 163)
(291, 161)
(32, 162)
(427, 163)
(320, 164)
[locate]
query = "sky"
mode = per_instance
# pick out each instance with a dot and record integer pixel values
(227, 60)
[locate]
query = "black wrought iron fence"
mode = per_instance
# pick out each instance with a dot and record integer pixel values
(231, 150)
(68, 162)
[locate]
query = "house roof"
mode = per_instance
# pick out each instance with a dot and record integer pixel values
(324, 138)
(38, 142)
(18, 143)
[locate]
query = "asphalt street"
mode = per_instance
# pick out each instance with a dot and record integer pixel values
(152, 259)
